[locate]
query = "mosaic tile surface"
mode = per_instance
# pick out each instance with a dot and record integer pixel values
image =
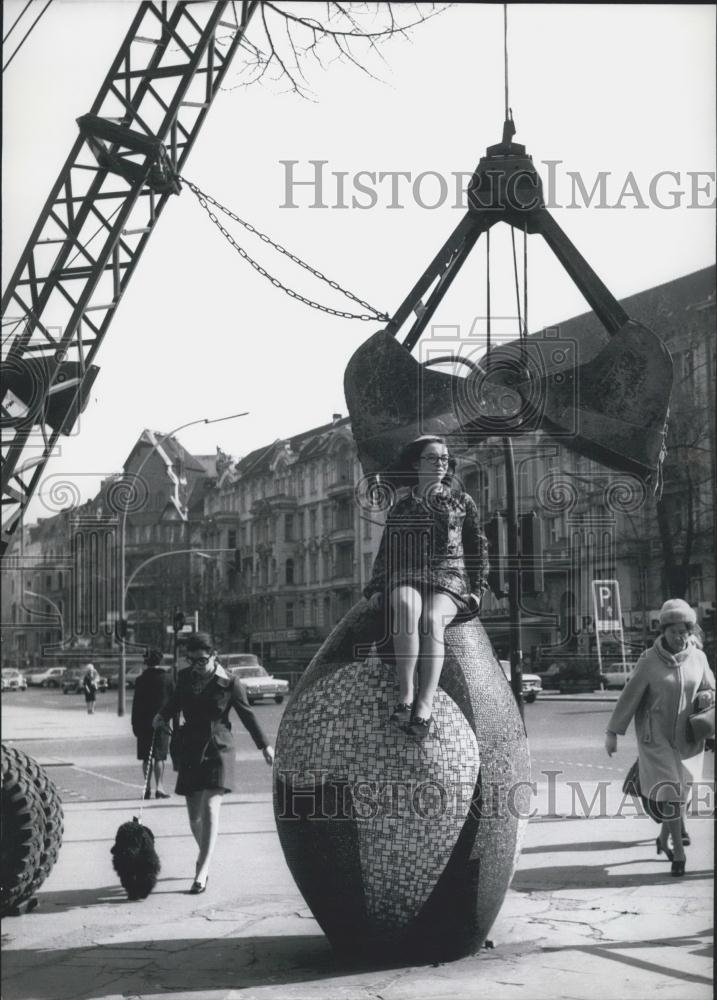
(410, 799)
(441, 905)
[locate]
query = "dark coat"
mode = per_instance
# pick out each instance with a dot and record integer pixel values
(152, 689)
(436, 544)
(206, 758)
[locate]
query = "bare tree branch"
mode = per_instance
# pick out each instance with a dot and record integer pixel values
(354, 32)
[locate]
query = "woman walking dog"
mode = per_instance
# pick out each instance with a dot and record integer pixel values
(661, 695)
(205, 695)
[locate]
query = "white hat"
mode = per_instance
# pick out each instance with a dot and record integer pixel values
(676, 610)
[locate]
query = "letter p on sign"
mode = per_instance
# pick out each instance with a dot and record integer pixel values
(606, 604)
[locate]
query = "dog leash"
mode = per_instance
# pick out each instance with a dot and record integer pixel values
(148, 778)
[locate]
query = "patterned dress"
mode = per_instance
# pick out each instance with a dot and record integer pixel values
(432, 544)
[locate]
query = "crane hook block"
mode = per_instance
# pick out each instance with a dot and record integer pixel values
(112, 144)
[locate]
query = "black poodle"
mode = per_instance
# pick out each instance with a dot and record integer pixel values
(135, 859)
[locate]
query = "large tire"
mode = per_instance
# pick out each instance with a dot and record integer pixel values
(52, 812)
(23, 835)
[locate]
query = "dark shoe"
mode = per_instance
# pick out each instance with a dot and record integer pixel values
(419, 727)
(161, 795)
(197, 887)
(678, 868)
(664, 850)
(148, 794)
(686, 839)
(401, 714)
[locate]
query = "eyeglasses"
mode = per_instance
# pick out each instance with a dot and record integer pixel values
(436, 460)
(198, 660)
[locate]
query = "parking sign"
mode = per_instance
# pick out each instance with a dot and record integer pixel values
(608, 613)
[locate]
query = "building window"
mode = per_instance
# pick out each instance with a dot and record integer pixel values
(289, 571)
(289, 527)
(553, 526)
(313, 530)
(289, 615)
(327, 611)
(301, 614)
(344, 560)
(500, 486)
(231, 539)
(326, 566)
(696, 585)
(367, 566)
(366, 528)
(313, 485)
(314, 568)
(343, 516)
(314, 612)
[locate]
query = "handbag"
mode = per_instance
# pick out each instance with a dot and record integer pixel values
(631, 784)
(701, 725)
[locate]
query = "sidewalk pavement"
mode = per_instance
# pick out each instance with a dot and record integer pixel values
(592, 912)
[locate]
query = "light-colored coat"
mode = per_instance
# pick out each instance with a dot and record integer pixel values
(660, 696)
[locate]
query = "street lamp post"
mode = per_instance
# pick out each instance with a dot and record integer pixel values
(121, 700)
(122, 636)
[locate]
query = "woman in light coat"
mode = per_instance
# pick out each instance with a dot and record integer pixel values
(661, 696)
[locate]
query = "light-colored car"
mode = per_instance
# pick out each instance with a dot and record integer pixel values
(13, 680)
(616, 675)
(258, 683)
(49, 678)
(532, 684)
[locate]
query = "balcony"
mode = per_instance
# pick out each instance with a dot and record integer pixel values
(342, 534)
(340, 487)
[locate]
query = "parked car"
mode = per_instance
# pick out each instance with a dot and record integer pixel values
(48, 678)
(616, 675)
(72, 682)
(13, 680)
(258, 683)
(532, 684)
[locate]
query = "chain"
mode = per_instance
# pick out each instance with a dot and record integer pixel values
(205, 200)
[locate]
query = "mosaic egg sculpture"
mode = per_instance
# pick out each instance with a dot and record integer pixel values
(401, 848)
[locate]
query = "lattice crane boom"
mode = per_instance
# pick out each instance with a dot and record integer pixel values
(102, 209)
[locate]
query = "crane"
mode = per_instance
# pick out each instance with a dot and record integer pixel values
(122, 170)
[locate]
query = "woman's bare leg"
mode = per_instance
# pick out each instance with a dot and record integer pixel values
(211, 804)
(405, 604)
(194, 811)
(158, 775)
(439, 610)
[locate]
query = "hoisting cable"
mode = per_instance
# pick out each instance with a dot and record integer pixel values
(517, 286)
(505, 57)
(487, 296)
(26, 35)
(525, 280)
(205, 200)
(15, 22)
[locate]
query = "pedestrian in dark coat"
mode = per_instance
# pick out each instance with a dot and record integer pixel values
(152, 689)
(89, 687)
(205, 695)
(432, 564)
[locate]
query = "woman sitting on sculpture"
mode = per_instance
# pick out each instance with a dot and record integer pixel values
(431, 566)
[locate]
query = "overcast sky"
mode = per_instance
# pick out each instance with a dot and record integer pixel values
(622, 89)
